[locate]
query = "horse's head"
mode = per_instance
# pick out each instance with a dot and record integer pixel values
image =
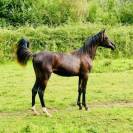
(104, 41)
(23, 43)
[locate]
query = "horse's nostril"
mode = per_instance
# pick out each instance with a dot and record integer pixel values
(114, 46)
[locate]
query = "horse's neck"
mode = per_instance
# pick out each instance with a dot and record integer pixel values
(92, 51)
(88, 49)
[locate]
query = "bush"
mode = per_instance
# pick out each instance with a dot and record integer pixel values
(60, 12)
(65, 38)
(53, 13)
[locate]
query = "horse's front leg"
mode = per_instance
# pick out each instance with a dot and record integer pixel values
(79, 93)
(84, 83)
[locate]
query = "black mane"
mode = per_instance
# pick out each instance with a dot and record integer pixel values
(89, 43)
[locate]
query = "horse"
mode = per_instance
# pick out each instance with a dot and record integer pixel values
(75, 63)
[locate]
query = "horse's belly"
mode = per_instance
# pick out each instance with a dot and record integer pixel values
(68, 65)
(67, 71)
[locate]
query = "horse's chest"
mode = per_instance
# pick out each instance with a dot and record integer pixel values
(86, 64)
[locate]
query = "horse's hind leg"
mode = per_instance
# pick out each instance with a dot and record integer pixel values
(34, 92)
(41, 92)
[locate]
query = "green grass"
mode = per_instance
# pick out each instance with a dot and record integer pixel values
(109, 94)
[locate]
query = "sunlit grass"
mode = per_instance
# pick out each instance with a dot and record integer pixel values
(107, 89)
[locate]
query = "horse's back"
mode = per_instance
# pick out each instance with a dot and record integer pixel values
(59, 63)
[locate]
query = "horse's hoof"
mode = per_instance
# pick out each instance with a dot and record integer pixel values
(87, 108)
(46, 112)
(80, 108)
(34, 111)
(49, 115)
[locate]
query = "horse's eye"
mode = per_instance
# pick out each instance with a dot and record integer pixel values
(106, 38)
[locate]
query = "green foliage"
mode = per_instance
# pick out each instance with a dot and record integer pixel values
(65, 39)
(110, 11)
(126, 14)
(50, 12)
(59, 12)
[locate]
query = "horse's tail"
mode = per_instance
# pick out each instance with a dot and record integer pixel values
(23, 53)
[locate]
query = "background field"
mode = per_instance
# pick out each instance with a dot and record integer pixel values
(63, 26)
(109, 96)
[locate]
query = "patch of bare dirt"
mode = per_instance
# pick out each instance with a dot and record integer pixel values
(29, 112)
(122, 104)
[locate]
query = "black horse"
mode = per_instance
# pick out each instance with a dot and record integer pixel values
(77, 63)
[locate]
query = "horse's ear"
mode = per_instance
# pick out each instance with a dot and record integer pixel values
(103, 31)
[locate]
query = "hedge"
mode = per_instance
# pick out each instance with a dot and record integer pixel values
(66, 38)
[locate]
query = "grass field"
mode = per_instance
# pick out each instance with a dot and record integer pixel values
(109, 95)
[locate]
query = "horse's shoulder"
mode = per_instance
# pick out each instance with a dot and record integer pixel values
(86, 62)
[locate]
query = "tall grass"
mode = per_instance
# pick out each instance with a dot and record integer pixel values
(66, 38)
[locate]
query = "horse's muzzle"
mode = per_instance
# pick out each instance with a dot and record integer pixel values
(113, 47)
